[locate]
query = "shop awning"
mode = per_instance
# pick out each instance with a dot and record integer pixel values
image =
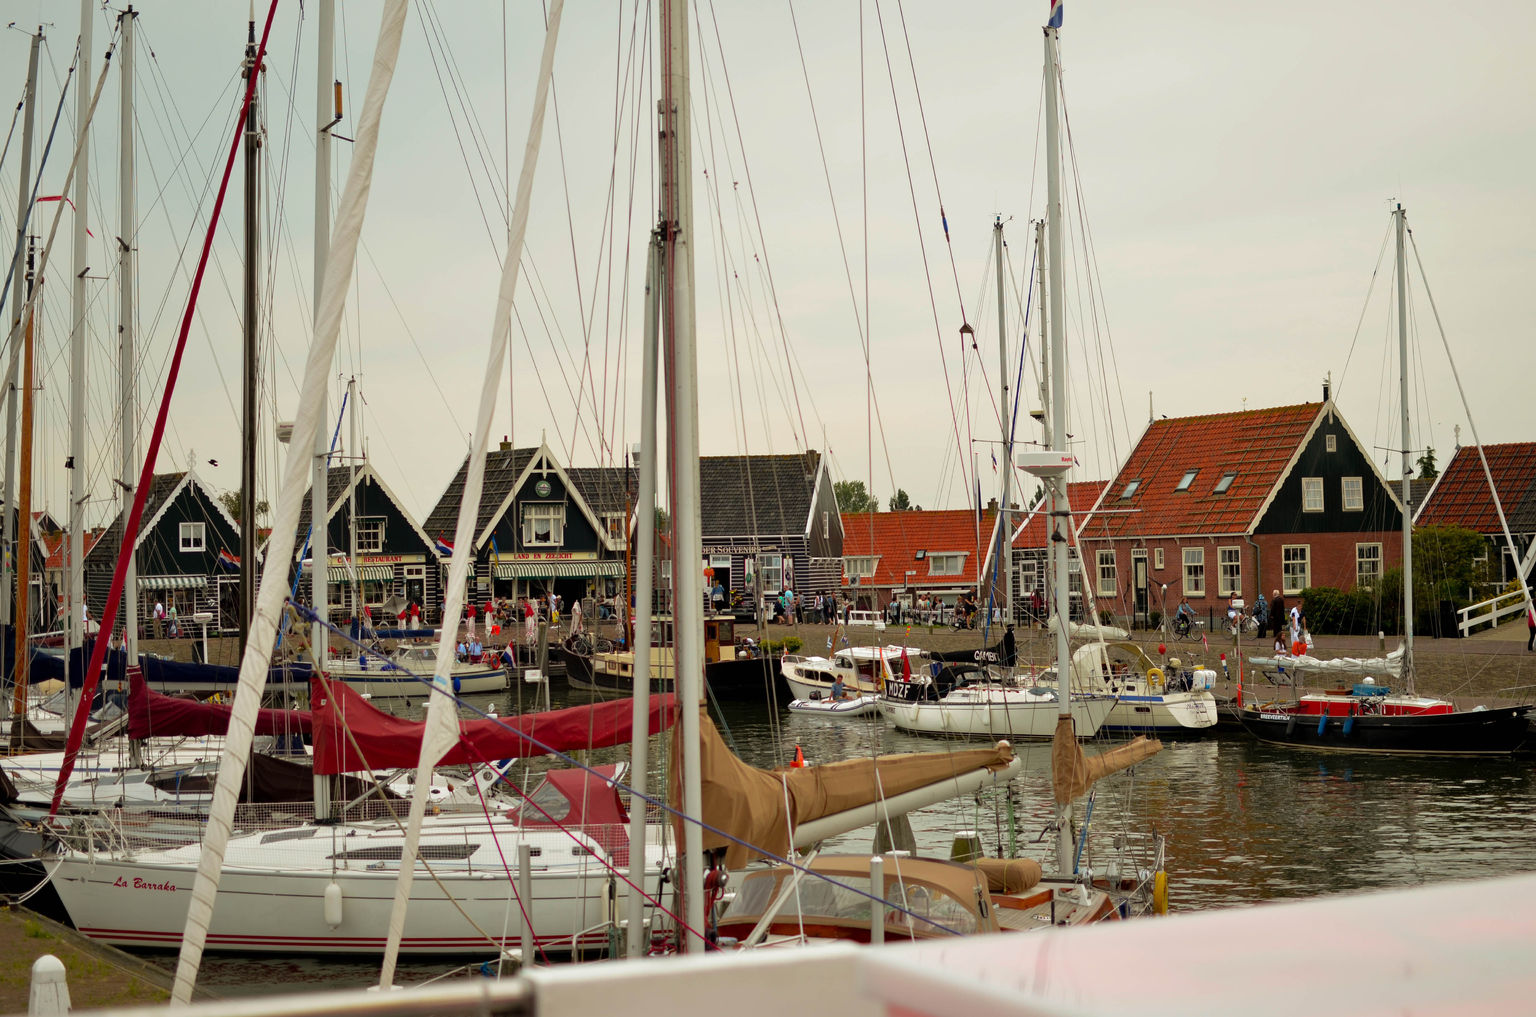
(556, 569)
(365, 573)
(173, 582)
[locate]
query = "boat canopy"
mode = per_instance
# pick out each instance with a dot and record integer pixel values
(152, 714)
(1391, 664)
(350, 735)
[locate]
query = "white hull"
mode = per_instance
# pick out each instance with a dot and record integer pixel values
(379, 684)
(996, 713)
(1175, 713)
(826, 707)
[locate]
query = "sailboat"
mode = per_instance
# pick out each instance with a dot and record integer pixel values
(1367, 717)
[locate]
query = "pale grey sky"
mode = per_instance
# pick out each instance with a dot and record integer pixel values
(1235, 163)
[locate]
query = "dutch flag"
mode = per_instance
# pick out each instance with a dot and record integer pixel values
(228, 560)
(1055, 21)
(444, 548)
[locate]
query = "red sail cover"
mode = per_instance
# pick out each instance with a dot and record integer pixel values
(351, 735)
(152, 714)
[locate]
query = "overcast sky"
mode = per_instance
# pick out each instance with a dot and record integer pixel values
(1234, 163)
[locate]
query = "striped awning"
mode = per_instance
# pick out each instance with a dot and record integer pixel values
(365, 573)
(173, 582)
(556, 569)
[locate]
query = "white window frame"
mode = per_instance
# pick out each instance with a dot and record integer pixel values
(861, 566)
(1295, 561)
(1075, 577)
(1131, 486)
(534, 511)
(1352, 494)
(1194, 572)
(1188, 480)
(1108, 577)
(1229, 576)
(193, 537)
(1368, 554)
(1225, 483)
(1157, 559)
(826, 525)
(613, 522)
(770, 572)
(1331, 442)
(1310, 487)
(370, 534)
(946, 563)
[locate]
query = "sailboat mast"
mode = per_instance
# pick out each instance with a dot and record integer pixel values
(1004, 544)
(11, 521)
(248, 375)
(319, 522)
(1402, 352)
(24, 514)
(128, 376)
(688, 547)
(353, 451)
(1061, 513)
(74, 577)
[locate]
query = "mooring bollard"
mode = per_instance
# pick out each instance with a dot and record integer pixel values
(50, 987)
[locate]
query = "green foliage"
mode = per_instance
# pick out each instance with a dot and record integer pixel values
(1154, 619)
(231, 502)
(1106, 616)
(789, 644)
(852, 497)
(1426, 464)
(900, 502)
(1449, 563)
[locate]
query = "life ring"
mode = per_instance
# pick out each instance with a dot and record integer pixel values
(1155, 678)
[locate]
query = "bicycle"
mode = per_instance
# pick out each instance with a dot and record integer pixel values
(1242, 622)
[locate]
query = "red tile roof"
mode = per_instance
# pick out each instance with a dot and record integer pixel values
(895, 538)
(1082, 495)
(1255, 445)
(1460, 496)
(55, 543)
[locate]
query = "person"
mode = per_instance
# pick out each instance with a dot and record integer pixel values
(1296, 622)
(1280, 646)
(460, 651)
(476, 651)
(171, 620)
(415, 615)
(159, 619)
(839, 690)
(470, 614)
(1261, 611)
(1010, 648)
(717, 596)
(576, 613)
(1277, 612)
(530, 623)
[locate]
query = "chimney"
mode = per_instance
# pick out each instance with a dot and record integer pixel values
(991, 504)
(1327, 389)
(506, 443)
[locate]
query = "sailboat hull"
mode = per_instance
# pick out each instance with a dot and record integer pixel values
(1462, 733)
(996, 716)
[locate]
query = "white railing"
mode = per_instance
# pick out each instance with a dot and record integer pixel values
(1490, 612)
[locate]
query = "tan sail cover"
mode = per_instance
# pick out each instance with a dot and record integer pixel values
(750, 804)
(1073, 773)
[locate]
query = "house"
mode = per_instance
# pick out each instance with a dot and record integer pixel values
(395, 557)
(1460, 497)
(900, 556)
(187, 553)
(770, 523)
(1225, 505)
(1031, 549)
(541, 528)
(43, 598)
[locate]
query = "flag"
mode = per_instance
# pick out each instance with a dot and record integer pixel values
(495, 551)
(1204, 641)
(994, 462)
(1055, 21)
(906, 665)
(228, 560)
(443, 547)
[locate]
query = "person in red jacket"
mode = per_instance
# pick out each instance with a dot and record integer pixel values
(470, 611)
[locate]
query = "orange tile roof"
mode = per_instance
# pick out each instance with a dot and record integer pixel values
(1460, 496)
(1082, 495)
(895, 538)
(1256, 445)
(55, 543)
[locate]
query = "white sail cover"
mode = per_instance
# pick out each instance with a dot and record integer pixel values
(1076, 631)
(1391, 664)
(285, 523)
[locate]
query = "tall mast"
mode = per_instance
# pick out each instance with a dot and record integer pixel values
(319, 493)
(688, 548)
(24, 512)
(74, 580)
(1402, 352)
(8, 527)
(1061, 511)
(1004, 544)
(248, 359)
(353, 451)
(128, 380)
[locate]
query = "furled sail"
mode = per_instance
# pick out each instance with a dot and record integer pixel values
(152, 714)
(1073, 772)
(1391, 664)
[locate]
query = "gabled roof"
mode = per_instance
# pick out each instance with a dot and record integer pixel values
(338, 488)
(605, 488)
(895, 538)
(757, 495)
(1460, 496)
(1030, 529)
(502, 471)
(1256, 446)
(56, 542)
(164, 488)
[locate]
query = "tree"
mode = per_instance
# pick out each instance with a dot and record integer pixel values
(231, 502)
(900, 502)
(662, 522)
(1426, 463)
(851, 497)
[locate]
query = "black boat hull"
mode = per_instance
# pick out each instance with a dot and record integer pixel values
(1463, 733)
(745, 679)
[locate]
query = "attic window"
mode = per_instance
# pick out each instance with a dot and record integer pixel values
(1130, 488)
(1189, 478)
(1224, 483)
(1331, 441)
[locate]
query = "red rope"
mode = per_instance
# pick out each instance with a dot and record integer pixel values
(146, 475)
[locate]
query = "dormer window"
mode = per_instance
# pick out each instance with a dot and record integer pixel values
(1224, 483)
(1130, 489)
(1189, 478)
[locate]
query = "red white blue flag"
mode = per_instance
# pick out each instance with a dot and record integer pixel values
(228, 560)
(444, 548)
(1055, 21)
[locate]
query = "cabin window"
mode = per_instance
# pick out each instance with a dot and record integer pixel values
(946, 564)
(1311, 494)
(370, 534)
(1130, 488)
(193, 536)
(1157, 558)
(1186, 480)
(1107, 578)
(1331, 442)
(771, 568)
(1229, 582)
(1224, 483)
(860, 567)
(392, 852)
(1296, 567)
(1194, 572)
(1354, 495)
(1075, 576)
(1367, 565)
(543, 524)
